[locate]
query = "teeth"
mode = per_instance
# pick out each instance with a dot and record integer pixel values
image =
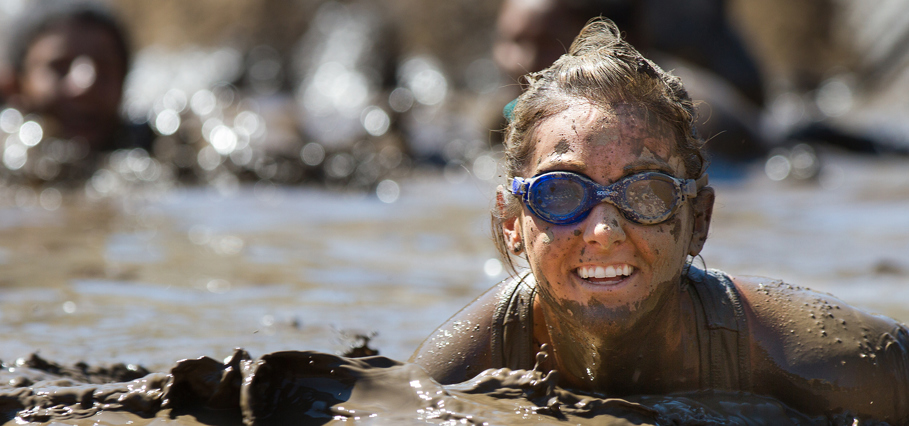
(600, 272)
(611, 271)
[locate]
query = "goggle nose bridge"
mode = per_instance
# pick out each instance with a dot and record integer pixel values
(604, 193)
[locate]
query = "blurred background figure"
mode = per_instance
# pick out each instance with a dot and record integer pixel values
(67, 64)
(835, 72)
(693, 39)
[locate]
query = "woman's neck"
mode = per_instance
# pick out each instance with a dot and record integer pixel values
(657, 353)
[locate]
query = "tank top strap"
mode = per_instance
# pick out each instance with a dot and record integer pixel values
(512, 331)
(723, 335)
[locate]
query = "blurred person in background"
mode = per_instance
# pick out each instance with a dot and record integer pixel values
(66, 63)
(693, 39)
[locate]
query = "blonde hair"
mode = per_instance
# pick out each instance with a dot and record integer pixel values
(603, 69)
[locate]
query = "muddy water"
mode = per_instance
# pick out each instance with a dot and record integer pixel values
(311, 388)
(154, 278)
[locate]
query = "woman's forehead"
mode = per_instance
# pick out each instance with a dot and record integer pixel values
(585, 127)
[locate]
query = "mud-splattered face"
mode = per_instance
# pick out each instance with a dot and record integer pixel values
(605, 273)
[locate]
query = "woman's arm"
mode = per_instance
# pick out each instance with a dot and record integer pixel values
(821, 356)
(460, 348)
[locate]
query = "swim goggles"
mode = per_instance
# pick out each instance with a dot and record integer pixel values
(565, 197)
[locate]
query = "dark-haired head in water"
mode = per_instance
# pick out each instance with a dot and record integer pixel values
(67, 62)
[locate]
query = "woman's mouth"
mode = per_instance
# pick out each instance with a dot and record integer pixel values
(612, 271)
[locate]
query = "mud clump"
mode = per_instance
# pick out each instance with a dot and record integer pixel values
(316, 388)
(83, 372)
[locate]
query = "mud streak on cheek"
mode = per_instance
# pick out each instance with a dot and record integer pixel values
(676, 230)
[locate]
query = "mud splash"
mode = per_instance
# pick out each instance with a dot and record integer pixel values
(313, 388)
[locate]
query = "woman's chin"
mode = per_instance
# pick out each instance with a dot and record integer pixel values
(614, 300)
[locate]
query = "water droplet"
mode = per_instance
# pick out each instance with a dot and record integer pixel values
(218, 286)
(50, 199)
(167, 122)
(82, 72)
(388, 191)
(15, 156)
(375, 120)
(30, 133)
(492, 267)
(312, 154)
(400, 99)
(10, 120)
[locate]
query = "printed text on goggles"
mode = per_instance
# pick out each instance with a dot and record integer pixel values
(566, 197)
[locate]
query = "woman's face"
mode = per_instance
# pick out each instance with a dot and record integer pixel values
(606, 144)
(73, 74)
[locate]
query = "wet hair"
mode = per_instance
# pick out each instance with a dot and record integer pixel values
(602, 69)
(43, 16)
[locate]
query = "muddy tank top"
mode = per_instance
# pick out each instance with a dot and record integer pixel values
(723, 337)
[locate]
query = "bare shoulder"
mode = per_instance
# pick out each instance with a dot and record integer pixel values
(461, 347)
(821, 314)
(818, 353)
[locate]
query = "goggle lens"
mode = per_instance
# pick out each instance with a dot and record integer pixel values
(559, 197)
(651, 198)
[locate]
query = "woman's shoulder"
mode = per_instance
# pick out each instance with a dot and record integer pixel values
(813, 347)
(461, 347)
(802, 312)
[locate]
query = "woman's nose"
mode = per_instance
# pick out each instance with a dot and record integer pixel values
(604, 225)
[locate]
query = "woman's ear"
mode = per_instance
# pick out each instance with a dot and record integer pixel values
(511, 230)
(702, 208)
(511, 226)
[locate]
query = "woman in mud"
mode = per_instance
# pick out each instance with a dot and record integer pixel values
(607, 200)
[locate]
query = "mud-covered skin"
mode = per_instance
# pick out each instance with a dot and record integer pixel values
(819, 355)
(589, 321)
(810, 351)
(461, 348)
(636, 335)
